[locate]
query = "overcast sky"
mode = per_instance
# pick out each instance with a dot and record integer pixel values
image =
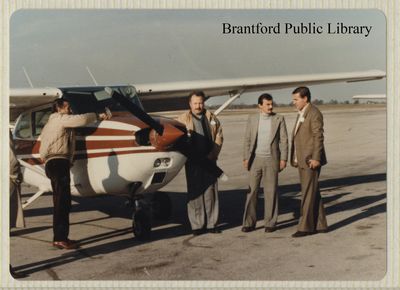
(148, 46)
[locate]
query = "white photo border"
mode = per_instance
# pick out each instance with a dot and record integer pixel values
(391, 9)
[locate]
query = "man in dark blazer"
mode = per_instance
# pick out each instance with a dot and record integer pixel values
(265, 154)
(308, 155)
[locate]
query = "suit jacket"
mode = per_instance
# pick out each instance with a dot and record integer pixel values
(279, 137)
(309, 139)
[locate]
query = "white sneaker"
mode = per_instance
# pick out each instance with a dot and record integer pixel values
(224, 177)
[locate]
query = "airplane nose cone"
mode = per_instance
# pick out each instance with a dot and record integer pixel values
(169, 137)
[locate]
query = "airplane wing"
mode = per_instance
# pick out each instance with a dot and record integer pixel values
(24, 99)
(160, 97)
(168, 96)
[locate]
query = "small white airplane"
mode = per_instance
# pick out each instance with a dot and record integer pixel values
(370, 97)
(132, 154)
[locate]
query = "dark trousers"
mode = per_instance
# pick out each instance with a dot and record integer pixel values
(58, 172)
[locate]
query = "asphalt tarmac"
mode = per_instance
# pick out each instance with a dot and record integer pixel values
(353, 187)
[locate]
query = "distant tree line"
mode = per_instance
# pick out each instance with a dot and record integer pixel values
(315, 102)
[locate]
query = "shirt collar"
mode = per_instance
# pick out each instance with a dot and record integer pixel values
(301, 112)
(262, 114)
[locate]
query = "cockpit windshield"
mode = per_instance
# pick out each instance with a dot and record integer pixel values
(94, 99)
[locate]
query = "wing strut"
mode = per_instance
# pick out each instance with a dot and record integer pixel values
(32, 198)
(228, 102)
(38, 170)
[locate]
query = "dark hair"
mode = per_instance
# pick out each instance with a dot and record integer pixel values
(197, 93)
(58, 104)
(303, 92)
(263, 97)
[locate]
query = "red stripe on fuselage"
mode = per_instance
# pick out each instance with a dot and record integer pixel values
(37, 161)
(104, 144)
(112, 153)
(93, 131)
(33, 161)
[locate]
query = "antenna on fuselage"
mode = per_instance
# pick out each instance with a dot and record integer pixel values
(27, 77)
(91, 75)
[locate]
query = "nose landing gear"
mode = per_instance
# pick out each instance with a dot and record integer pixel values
(141, 223)
(159, 207)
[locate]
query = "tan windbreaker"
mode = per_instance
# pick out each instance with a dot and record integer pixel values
(57, 139)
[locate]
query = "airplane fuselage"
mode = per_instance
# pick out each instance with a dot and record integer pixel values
(108, 159)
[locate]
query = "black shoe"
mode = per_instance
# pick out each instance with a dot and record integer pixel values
(270, 229)
(299, 234)
(197, 232)
(214, 231)
(248, 229)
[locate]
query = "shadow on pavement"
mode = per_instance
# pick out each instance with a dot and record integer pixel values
(231, 212)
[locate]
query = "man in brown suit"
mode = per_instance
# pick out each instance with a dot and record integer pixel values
(265, 154)
(308, 155)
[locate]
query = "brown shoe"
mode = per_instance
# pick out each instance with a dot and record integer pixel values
(66, 245)
(300, 234)
(270, 229)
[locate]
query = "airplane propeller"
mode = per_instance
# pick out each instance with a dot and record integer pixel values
(161, 136)
(164, 136)
(136, 110)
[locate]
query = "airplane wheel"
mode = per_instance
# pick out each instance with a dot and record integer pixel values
(162, 206)
(141, 225)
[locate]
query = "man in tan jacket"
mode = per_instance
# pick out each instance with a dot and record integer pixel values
(308, 155)
(265, 153)
(207, 139)
(57, 146)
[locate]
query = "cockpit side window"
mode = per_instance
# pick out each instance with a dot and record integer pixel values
(23, 126)
(40, 119)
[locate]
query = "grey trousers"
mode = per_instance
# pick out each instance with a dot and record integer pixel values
(262, 168)
(16, 212)
(203, 210)
(202, 204)
(312, 212)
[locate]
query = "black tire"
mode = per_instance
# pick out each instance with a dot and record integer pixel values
(161, 206)
(141, 225)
